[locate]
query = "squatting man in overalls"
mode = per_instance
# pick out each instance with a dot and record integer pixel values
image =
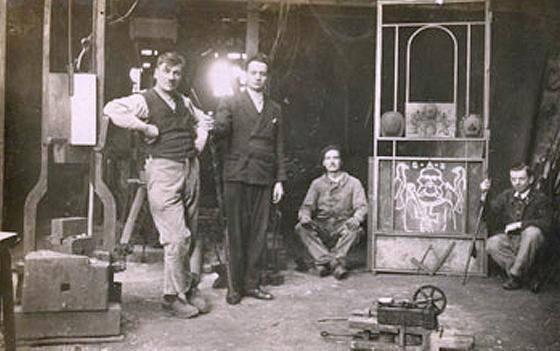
(331, 215)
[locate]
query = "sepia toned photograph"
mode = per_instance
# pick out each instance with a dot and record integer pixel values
(208, 175)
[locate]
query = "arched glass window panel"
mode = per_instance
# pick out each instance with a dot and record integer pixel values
(432, 65)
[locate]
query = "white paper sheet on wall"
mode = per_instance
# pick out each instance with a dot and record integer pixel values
(83, 124)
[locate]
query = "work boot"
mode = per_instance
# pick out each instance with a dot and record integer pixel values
(513, 283)
(340, 272)
(195, 298)
(302, 265)
(323, 270)
(259, 293)
(233, 297)
(178, 308)
(221, 281)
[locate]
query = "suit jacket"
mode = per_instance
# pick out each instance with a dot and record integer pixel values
(535, 210)
(254, 142)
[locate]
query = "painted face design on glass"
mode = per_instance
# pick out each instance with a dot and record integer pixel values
(430, 184)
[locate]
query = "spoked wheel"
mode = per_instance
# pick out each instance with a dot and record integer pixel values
(430, 296)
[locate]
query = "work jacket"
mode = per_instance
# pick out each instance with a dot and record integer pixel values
(535, 210)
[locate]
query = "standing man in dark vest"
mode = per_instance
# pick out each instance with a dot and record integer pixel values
(175, 132)
(254, 169)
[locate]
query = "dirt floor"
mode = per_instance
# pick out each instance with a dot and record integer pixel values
(500, 320)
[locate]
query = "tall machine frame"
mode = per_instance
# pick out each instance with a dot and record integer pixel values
(432, 77)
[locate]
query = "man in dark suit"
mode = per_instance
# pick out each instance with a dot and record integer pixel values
(525, 217)
(251, 125)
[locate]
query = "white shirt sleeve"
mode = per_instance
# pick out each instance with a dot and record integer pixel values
(128, 112)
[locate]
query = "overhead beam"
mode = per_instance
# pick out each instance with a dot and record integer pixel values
(338, 3)
(342, 3)
(252, 35)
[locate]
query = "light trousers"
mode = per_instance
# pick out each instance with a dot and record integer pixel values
(516, 253)
(173, 193)
(323, 255)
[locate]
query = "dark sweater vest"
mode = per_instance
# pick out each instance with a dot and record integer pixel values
(176, 129)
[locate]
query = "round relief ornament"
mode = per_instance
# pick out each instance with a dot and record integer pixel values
(472, 125)
(392, 124)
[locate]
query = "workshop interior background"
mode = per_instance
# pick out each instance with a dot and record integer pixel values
(323, 74)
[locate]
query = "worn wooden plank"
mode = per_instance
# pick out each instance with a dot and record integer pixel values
(394, 254)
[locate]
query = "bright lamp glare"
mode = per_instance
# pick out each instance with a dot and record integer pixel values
(222, 76)
(234, 55)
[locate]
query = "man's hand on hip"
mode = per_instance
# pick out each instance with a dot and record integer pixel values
(151, 133)
(277, 193)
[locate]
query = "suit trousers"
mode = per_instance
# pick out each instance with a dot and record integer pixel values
(247, 209)
(173, 193)
(516, 253)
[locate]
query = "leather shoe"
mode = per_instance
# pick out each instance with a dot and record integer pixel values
(536, 286)
(340, 272)
(195, 298)
(260, 294)
(179, 308)
(513, 283)
(323, 270)
(233, 297)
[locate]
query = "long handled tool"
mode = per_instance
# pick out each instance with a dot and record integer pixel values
(472, 248)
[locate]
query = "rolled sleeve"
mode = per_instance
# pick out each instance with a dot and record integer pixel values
(128, 112)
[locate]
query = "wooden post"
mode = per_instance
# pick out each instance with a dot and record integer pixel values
(252, 34)
(3, 39)
(108, 238)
